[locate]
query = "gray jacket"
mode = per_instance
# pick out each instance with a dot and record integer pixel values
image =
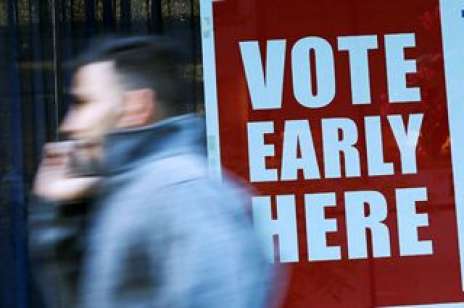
(164, 234)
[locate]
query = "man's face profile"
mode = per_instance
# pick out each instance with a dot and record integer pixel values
(97, 104)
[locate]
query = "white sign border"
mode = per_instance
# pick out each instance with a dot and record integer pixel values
(210, 88)
(452, 24)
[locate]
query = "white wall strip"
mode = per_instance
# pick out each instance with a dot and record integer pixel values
(209, 80)
(452, 23)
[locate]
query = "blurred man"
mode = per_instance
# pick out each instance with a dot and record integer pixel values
(161, 232)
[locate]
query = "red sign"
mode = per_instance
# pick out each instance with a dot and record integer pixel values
(347, 119)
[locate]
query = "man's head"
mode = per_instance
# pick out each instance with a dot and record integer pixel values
(125, 83)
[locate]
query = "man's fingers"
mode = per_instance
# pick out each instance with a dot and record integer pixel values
(54, 180)
(57, 151)
(66, 189)
(56, 154)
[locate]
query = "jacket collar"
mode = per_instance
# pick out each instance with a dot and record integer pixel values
(125, 149)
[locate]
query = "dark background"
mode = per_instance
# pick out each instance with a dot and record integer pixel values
(37, 38)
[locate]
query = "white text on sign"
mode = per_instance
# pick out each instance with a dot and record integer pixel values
(340, 141)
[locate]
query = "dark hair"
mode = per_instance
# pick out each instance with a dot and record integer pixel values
(154, 62)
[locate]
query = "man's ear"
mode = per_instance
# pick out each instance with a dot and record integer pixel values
(139, 108)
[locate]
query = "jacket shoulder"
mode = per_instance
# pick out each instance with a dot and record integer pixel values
(173, 170)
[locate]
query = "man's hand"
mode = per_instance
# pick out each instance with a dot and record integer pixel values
(55, 180)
